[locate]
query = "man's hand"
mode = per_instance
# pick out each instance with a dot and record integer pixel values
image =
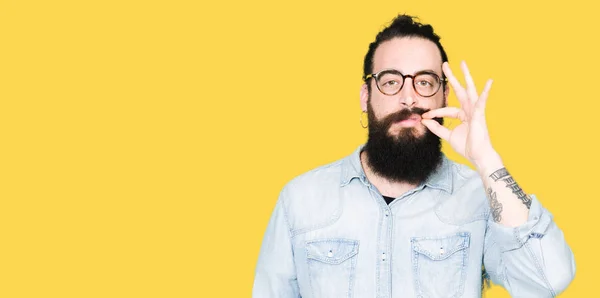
(470, 138)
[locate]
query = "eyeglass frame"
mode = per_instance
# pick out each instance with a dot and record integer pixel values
(443, 80)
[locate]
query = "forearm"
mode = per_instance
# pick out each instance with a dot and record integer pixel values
(532, 260)
(509, 204)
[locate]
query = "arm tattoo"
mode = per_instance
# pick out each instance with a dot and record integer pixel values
(512, 184)
(495, 205)
(499, 174)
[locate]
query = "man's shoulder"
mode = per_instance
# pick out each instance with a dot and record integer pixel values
(467, 201)
(318, 178)
(326, 174)
(314, 195)
(462, 174)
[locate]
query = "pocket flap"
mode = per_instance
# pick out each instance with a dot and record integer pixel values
(442, 247)
(331, 251)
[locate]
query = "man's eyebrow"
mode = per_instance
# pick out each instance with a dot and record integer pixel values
(418, 71)
(441, 75)
(428, 70)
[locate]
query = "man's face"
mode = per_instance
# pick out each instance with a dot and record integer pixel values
(408, 56)
(399, 147)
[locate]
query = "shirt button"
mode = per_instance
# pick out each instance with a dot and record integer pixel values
(383, 256)
(330, 253)
(387, 213)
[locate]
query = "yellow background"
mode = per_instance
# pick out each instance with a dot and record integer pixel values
(143, 143)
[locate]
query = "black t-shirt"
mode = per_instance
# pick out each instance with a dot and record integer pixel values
(388, 200)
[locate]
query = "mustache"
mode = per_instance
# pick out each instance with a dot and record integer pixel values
(403, 115)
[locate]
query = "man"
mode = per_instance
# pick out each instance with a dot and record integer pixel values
(397, 218)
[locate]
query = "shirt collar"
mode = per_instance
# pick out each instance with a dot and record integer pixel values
(352, 168)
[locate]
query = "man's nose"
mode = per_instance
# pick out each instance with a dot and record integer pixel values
(407, 94)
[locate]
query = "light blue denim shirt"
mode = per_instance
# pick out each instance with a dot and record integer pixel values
(332, 235)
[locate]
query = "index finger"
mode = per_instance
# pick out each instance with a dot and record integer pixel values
(449, 112)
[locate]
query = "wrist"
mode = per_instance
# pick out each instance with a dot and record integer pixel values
(489, 164)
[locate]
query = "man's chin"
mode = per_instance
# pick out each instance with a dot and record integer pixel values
(414, 132)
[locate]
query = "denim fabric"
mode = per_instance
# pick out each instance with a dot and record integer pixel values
(331, 234)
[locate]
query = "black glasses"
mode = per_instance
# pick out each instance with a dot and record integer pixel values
(390, 82)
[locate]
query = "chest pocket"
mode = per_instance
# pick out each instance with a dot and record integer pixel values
(331, 264)
(439, 265)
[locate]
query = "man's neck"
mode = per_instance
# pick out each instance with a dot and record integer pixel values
(385, 186)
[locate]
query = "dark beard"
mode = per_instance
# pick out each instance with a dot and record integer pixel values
(405, 157)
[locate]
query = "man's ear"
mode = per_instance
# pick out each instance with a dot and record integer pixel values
(364, 97)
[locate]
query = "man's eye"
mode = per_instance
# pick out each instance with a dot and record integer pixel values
(390, 83)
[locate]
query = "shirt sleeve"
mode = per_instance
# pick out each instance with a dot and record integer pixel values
(531, 260)
(275, 274)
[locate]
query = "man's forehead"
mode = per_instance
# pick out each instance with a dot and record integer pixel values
(408, 55)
